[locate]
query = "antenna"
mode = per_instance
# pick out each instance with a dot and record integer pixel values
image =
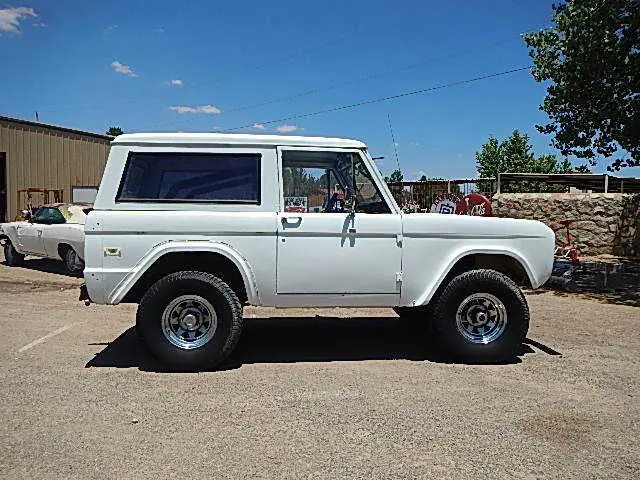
(393, 139)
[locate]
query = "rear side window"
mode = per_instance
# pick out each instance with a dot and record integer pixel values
(193, 177)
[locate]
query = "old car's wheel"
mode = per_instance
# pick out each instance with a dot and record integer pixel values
(72, 262)
(11, 256)
(190, 320)
(481, 316)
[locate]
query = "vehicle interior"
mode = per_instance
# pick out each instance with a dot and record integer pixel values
(329, 182)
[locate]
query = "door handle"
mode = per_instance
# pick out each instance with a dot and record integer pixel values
(292, 220)
(39, 233)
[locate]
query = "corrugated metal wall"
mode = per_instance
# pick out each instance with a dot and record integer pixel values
(44, 157)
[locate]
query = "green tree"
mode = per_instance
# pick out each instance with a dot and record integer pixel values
(396, 176)
(591, 57)
(515, 155)
(114, 131)
(423, 178)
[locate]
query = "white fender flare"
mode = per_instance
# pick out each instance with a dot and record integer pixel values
(165, 248)
(425, 297)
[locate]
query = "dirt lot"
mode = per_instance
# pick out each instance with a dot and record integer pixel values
(333, 393)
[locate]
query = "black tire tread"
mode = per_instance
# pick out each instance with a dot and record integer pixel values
(14, 259)
(441, 325)
(225, 290)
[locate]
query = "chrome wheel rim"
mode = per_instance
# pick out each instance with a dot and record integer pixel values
(481, 318)
(72, 261)
(189, 321)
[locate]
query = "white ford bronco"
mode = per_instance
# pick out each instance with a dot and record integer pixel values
(194, 226)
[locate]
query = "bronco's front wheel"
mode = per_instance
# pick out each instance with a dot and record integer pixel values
(481, 316)
(190, 319)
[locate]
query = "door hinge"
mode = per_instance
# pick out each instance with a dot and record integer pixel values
(398, 277)
(399, 239)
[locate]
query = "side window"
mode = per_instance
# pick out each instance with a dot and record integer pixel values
(313, 189)
(180, 177)
(316, 182)
(48, 216)
(368, 197)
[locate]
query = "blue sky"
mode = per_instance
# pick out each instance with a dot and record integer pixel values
(208, 65)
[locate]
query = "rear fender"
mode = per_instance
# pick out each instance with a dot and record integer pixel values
(248, 277)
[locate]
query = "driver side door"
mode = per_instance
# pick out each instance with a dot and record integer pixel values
(32, 234)
(30, 237)
(328, 256)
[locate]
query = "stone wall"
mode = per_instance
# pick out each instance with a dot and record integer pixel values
(607, 223)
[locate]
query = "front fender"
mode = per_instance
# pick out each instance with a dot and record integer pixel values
(429, 291)
(130, 279)
(9, 232)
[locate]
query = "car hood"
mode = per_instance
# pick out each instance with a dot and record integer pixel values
(464, 226)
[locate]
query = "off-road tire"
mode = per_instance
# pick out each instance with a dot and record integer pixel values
(11, 256)
(450, 339)
(227, 309)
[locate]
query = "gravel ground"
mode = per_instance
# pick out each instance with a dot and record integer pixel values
(320, 393)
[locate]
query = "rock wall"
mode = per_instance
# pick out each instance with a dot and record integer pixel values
(607, 223)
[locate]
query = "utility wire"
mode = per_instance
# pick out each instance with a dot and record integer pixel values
(383, 99)
(373, 76)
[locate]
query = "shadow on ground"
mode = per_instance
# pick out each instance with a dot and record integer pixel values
(305, 339)
(48, 266)
(620, 288)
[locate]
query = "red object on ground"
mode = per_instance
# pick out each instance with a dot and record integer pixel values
(567, 249)
(475, 205)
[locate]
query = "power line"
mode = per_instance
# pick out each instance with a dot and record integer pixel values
(383, 99)
(364, 78)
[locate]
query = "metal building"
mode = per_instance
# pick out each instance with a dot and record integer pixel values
(67, 163)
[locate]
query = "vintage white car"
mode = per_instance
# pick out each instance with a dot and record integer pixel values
(54, 231)
(194, 226)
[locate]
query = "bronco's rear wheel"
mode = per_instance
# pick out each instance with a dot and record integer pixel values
(190, 319)
(481, 316)
(11, 255)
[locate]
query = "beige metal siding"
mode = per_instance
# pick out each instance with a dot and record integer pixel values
(44, 157)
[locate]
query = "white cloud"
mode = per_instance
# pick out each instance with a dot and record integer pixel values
(420, 173)
(109, 28)
(123, 69)
(259, 126)
(11, 17)
(159, 30)
(208, 109)
(286, 128)
(177, 83)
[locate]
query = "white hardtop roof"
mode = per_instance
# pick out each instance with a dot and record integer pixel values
(234, 139)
